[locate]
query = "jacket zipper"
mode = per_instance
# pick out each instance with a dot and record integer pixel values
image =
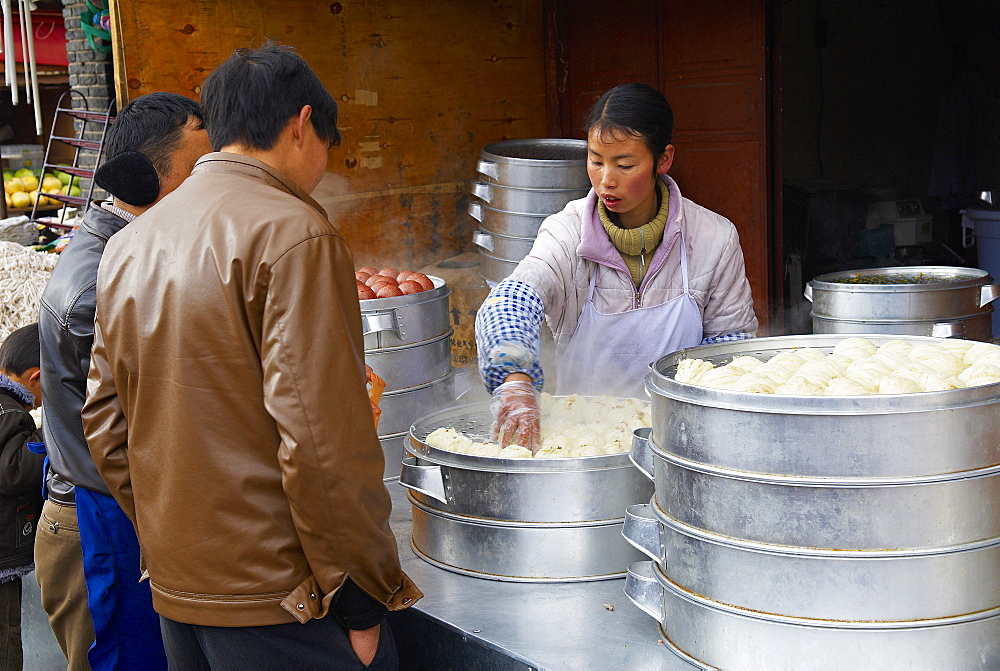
(637, 297)
(642, 265)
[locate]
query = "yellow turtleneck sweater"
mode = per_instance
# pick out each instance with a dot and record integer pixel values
(636, 245)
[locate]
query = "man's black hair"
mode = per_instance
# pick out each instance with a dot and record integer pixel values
(252, 96)
(20, 350)
(152, 125)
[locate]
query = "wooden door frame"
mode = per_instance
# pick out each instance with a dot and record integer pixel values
(775, 223)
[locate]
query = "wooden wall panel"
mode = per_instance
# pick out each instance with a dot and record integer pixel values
(700, 168)
(713, 70)
(603, 45)
(422, 87)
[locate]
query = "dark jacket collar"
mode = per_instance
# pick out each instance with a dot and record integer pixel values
(18, 391)
(102, 223)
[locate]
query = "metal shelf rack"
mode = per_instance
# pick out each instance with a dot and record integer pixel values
(74, 104)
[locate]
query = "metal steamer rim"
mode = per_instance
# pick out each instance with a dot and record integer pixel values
(874, 625)
(542, 152)
(939, 277)
(808, 552)
(376, 304)
(475, 421)
(512, 524)
(505, 578)
(822, 481)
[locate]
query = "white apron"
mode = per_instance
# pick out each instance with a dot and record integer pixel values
(610, 353)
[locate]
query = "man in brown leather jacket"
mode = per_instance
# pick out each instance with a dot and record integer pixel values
(226, 406)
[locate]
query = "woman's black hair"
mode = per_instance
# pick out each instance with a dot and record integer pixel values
(634, 109)
(251, 97)
(21, 350)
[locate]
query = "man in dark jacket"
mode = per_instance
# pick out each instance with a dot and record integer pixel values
(20, 481)
(150, 148)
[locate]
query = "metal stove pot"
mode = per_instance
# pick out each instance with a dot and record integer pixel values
(940, 301)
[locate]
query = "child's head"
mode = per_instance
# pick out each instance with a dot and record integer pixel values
(20, 359)
(633, 110)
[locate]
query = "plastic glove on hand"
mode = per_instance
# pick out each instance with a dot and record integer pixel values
(516, 415)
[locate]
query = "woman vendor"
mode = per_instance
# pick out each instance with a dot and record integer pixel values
(629, 274)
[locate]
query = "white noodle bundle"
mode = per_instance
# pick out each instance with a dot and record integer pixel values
(897, 384)
(980, 350)
(23, 276)
(936, 381)
(938, 358)
(821, 369)
(756, 383)
(868, 372)
(980, 373)
(914, 370)
(798, 385)
(746, 364)
(891, 358)
(811, 354)
(779, 371)
(900, 346)
(720, 378)
(845, 386)
(691, 370)
(958, 346)
(855, 348)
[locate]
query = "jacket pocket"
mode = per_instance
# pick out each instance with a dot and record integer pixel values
(26, 520)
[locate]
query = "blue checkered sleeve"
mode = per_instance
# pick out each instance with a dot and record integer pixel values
(508, 327)
(728, 337)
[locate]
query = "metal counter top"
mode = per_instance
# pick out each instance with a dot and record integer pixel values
(535, 625)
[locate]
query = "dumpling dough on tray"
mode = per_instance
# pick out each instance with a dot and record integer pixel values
(855, 367)
(571, 426)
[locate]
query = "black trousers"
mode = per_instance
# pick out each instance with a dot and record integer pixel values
(320, 645)
(11, 654)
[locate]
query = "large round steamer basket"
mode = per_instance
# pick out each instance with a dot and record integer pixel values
(406, 320)
(520, 182)
(408, 344)
(511, 224)
(542, 163)
(710, 635)
(941, 301)
(518, 520)
(855, 526)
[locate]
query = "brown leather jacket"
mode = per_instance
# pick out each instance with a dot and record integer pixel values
(228, 337)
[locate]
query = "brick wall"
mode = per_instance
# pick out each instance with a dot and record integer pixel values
(90, 73)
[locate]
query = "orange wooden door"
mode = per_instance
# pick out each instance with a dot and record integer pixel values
(711, 60)
(713, 70)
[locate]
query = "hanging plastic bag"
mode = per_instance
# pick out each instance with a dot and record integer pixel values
(96, 24)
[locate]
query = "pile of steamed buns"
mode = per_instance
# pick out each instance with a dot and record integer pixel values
(855, 367)
(571, 426)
